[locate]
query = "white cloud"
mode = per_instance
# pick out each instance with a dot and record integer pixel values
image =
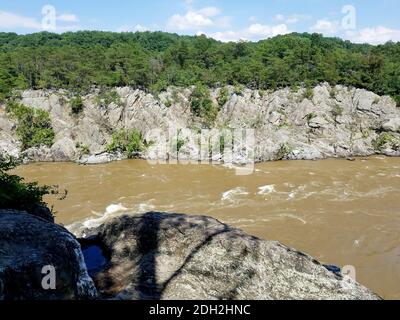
(10, 20)
(190, 20)
(326, 27)
(374, 35)
(255, 31)
(209, 11)
(194, 19)
(67, 17)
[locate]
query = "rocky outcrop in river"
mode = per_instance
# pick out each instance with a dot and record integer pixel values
(171, 256)
(158, 256)
(29, 248)
(327, 122)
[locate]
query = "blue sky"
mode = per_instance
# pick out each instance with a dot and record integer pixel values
(226, 20)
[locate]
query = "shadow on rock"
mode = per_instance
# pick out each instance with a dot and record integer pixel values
(170, 256)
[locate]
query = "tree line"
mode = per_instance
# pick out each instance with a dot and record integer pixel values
(155, 60)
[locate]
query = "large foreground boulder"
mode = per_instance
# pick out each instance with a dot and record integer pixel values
(29, 245)
(170, 256)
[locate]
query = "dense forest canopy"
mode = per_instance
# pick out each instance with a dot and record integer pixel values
(156, 60)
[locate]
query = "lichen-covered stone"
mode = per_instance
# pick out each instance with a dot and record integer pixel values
(171, 256)
(29, 243)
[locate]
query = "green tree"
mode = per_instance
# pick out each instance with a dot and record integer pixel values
(17, 194)
(76, 105)
(129, 142)
(34, 127)
(202, 106)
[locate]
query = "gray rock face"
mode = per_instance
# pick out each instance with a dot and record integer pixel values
(170, 256)
(336, 122)
(392, 125)
(100, 158)
(29, 243)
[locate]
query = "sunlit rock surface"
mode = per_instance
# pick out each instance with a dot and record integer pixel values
(170, 256)
(334, 122)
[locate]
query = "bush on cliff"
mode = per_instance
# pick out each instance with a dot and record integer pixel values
(223, 96)
(386, 140)
(76, 105)
(105, 98)
(129, 142)
(18, 195)
(397, 100)
(202, 106)
(34, 125)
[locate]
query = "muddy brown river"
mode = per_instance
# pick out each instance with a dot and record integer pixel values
(341, 212)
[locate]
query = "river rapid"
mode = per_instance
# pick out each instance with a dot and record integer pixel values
(341, 212)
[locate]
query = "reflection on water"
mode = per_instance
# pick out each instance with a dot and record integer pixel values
(341, 212)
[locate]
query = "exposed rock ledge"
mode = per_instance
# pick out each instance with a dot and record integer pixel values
(160, 256)
(29, 243)
(334, 122)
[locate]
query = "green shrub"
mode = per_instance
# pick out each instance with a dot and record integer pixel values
(15, 193)
(308, 93)
(83, 148)
(202, 106)
(168, 103)
(294, 88)
(283, 152)
(222, 140)
(333, 93)
(223, 96)
(34, 125)
(366, 132)
(337, 111)
(386, 139)
(158, 87)
(397, 100)
(309, 117)
(76, 104)
(238, 89)
(178, 144)
(129, 142)
(175, 96)
(105, 98)
(225, 140)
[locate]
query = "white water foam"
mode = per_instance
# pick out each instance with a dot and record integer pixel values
(111, 211)
(230, 195)
(266, 189)
(115, 208)
(145, 207)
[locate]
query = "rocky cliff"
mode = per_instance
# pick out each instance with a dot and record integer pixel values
(326, 122)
